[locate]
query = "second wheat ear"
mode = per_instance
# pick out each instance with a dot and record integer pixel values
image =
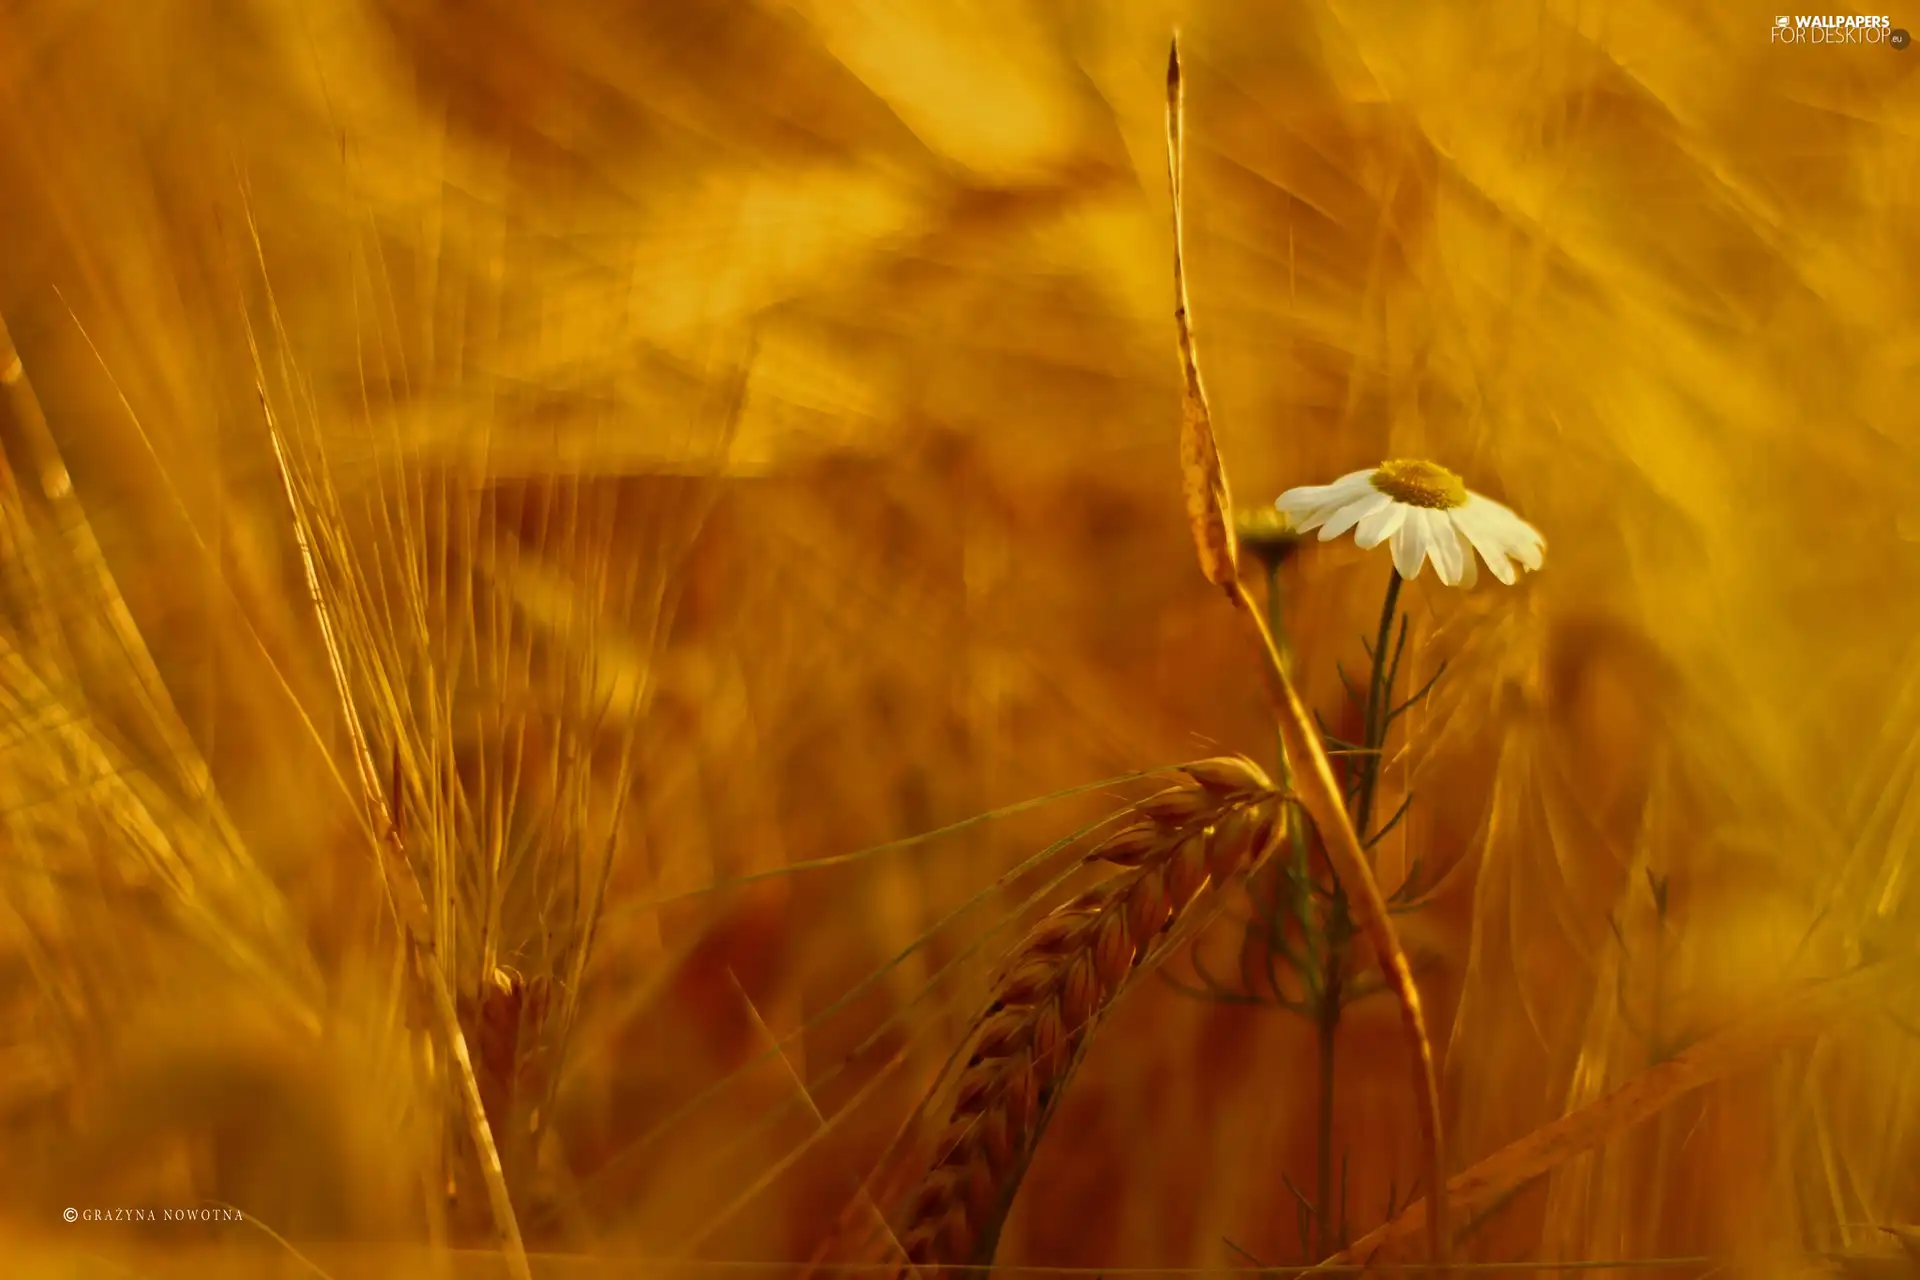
(1204, 479)
(1220, 820)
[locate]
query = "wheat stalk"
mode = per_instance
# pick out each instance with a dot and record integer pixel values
(1220, 819)
(1208, 504)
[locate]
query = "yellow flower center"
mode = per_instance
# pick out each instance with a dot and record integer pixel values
(1419, 483)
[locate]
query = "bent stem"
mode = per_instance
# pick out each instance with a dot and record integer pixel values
(1320, 795)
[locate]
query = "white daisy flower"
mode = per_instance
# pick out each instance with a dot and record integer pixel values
(1426, 512)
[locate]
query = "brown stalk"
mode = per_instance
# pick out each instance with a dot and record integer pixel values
(1220, 820)
(1319, 792)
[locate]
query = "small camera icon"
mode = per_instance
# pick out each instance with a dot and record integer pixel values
(1782, 20)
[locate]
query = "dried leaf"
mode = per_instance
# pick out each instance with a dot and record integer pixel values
(1203, 476)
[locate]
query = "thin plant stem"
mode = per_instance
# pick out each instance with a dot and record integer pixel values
(1298, 900)
(1276, 612)
(1326, 1029)
(1379, 699)
(1333, 992)
(1299, 870)
(1320, 795)
(1320, 969)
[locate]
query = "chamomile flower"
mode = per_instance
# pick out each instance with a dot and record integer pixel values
(1426, 513)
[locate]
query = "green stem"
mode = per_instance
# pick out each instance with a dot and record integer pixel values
(1274, 612)
(1340, 920)
(1274, 619)
(1319, 969)
(1379, 699)
(1326, 1032)
(1300, 870)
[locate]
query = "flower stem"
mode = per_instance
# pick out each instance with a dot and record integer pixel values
(1320, 968)
(1326, 1032)
(1275, 628)
(1299, 897)
(1340, 919)
(1379, 701)
(1320, 795)
(1275, 613)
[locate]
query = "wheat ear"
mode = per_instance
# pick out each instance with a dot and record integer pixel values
(1219, 820)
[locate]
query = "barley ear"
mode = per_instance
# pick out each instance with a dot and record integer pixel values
(403, 887)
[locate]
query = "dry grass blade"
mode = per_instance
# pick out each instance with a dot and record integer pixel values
(1207, 504)
(1220, 821)
(1202, 476)
(1714, 1058)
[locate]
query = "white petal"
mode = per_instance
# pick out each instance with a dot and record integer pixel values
(1352, 514)
(1410, 544)
(1469, 564)
(1380, 526)
(1448, 555)
(1525, 544)
(1309, 521)
(1354, 482)
(1471, 520)
(1305, 519)
(1304, 501)
(1521, 540)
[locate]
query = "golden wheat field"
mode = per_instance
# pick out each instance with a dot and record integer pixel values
(602, 606)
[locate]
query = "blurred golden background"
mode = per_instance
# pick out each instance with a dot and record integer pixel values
(732, 435)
